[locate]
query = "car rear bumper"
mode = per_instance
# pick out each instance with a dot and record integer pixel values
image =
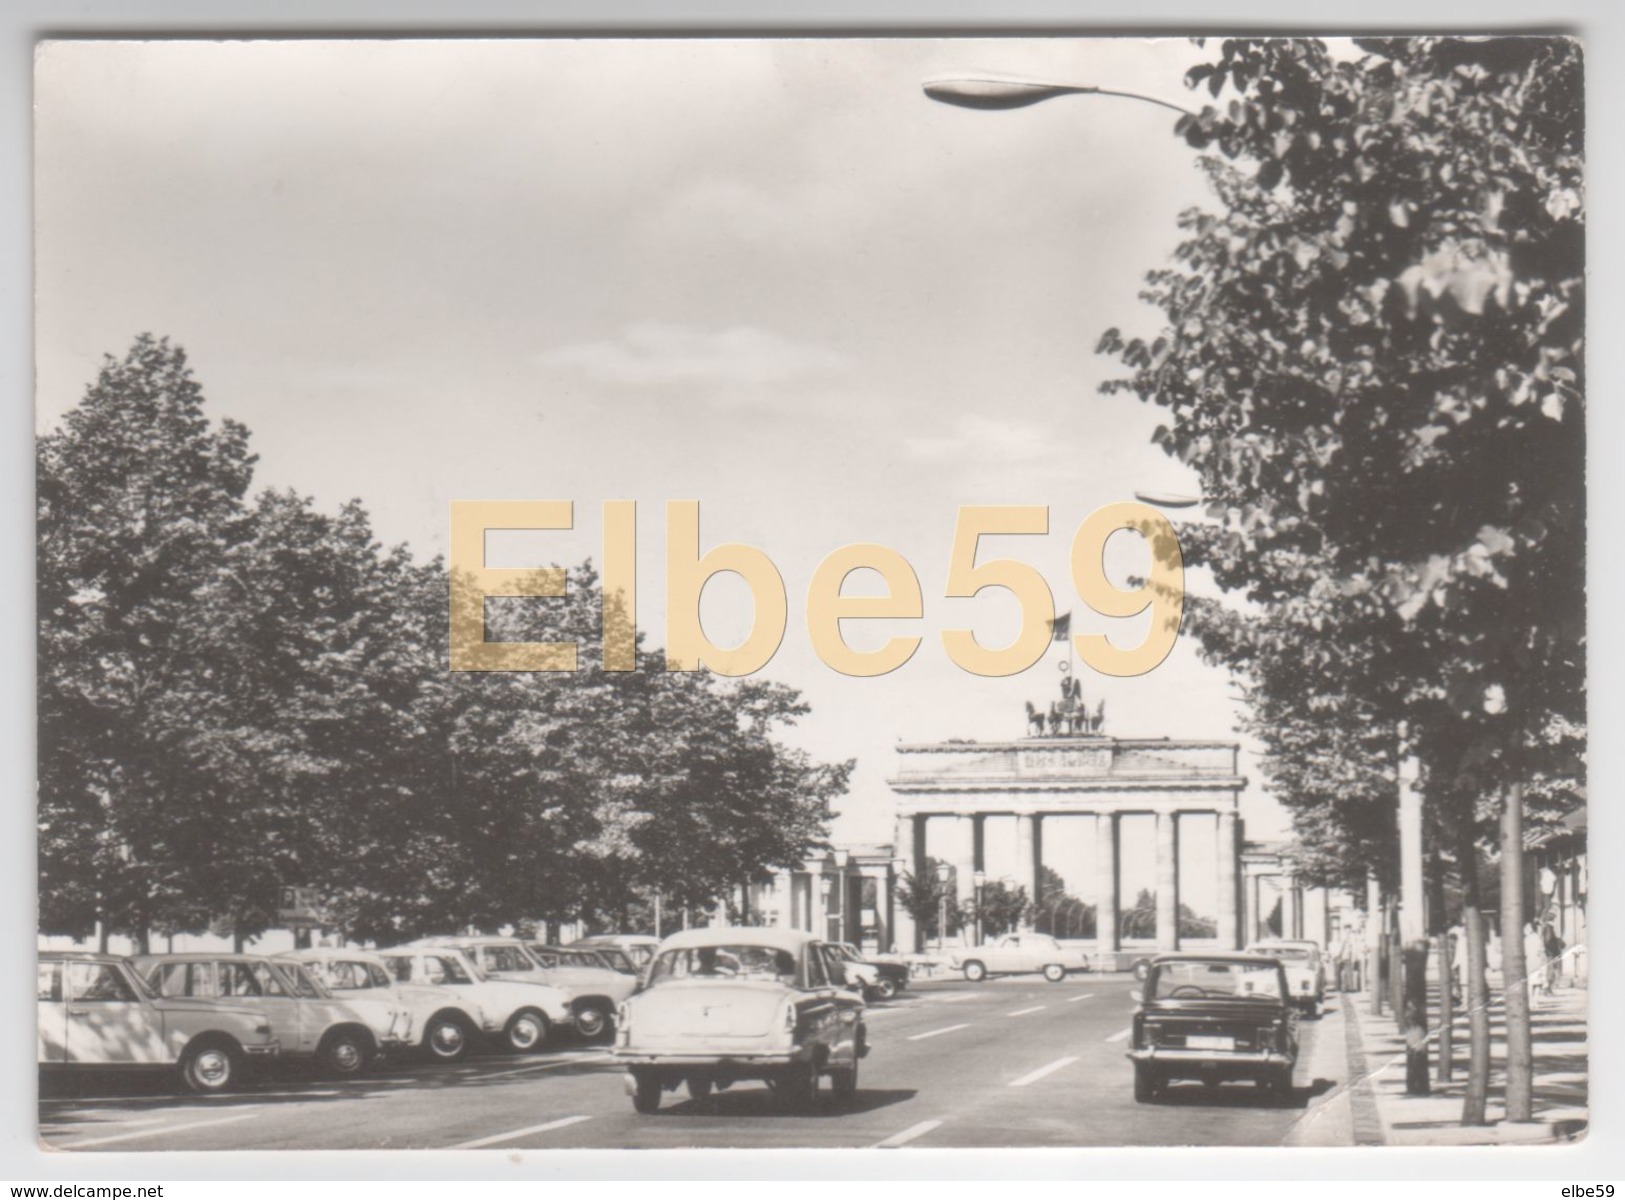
(1211, 1059)
(686, 1058)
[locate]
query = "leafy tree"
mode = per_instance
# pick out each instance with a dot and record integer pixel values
(925, 898)
(1003, 907)
(1374, 361)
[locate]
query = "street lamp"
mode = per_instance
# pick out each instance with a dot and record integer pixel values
(999, 92)
(979, 881)
(841, 858)
(944, 873)
(1168, 499)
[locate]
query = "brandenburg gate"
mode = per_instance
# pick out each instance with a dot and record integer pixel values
(1082, 773)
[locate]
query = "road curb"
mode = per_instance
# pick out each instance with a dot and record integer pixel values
(1366, 1118)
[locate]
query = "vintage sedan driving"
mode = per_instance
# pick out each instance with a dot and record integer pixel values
(96, 1012)
(447, 1022)
(1214, 1018)
(722, 1005)
(1024, 953)
(881, 978)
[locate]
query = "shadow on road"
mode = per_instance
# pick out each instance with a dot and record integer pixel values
(752, 1102)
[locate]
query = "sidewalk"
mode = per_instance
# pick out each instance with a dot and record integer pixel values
(1376, 1051)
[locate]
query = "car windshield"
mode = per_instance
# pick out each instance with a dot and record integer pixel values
(304, 986)
(1199, 980)
(733, 961)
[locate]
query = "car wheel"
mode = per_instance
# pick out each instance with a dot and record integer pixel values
(446, 1040)
(699, 1087)
(1055, 972)
(526, 1031)
(1281, 1086)
(592, 1020)
(1142, 968)
(344, 1052)
(1146, 1089)
(886, 987)
(975, 972)
(799, 1086)
(646, 1089)
(843, 1083)
(210, 1069)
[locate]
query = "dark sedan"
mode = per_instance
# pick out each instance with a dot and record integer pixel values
(1214, 1018)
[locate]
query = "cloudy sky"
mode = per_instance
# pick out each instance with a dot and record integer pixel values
(770, 276)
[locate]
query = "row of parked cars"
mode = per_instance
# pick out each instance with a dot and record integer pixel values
(207, 1016)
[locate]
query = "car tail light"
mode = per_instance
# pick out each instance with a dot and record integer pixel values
(623, 1016)
(1266, 1038)
(789, 1018)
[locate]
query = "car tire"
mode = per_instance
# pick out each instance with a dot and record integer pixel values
(1281, 1086)
(646, 1090)
(1055, 972)
(975, 972)
(526, 1032)
(699, 1087)
(886, 987)
(843, 1083)
(593, 1019)
(344, 1053)
(446, 1039)
(799, 1087)
(211, 1068)
(1147, 1088)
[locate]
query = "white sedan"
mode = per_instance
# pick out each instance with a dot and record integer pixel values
(1023, 953)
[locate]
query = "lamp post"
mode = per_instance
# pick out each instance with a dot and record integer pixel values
(979, 881)
(944, 873)
(841, 858)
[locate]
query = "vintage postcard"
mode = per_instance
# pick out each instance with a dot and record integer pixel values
(811, 592)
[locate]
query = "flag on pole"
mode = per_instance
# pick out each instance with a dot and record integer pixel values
(1060, 628)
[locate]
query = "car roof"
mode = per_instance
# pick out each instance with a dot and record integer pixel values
(203, 956)
(774, 938)
(1228, 956)
(80, 956)
(323, 953)
(617, 939)
(477, 939)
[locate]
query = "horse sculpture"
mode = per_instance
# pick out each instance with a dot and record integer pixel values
(1035, 720)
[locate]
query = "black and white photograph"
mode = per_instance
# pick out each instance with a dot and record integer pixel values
(802, 592)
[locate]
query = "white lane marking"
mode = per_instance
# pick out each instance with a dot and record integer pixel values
(552, 1062)
(1120, 1034)
(1022, 1012)
(1047, 1068)
(515, 1133)
(956, 997)
(907, 1136)
(143, 1133)
(1085, 996)
(933, 1033)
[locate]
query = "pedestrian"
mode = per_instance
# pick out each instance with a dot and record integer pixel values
(1554, 957)
(1456, 939)
(1534, 960)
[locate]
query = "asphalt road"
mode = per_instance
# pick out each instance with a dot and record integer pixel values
(1008, 1062)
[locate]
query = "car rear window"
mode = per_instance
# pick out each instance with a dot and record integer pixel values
(724, 962)
(1215, 980)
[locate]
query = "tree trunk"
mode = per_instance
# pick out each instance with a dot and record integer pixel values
(1414, 1016)
(1514, 969)
(1447, 1011)
(1475, 1101)
(1396, 964)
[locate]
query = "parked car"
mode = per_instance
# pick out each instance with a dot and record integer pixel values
(639, 947)
(590, 992)
(1305, 980)
(1022, 953)
(612, 957)
(519, 1015)
(343, 1036)
(722, 1005)
(1214, 1017)
(448, 1022)
(595, 990)
(882, 978)
(96, 1012)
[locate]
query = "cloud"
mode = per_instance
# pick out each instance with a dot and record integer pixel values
(990, 441)
(651, 352)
